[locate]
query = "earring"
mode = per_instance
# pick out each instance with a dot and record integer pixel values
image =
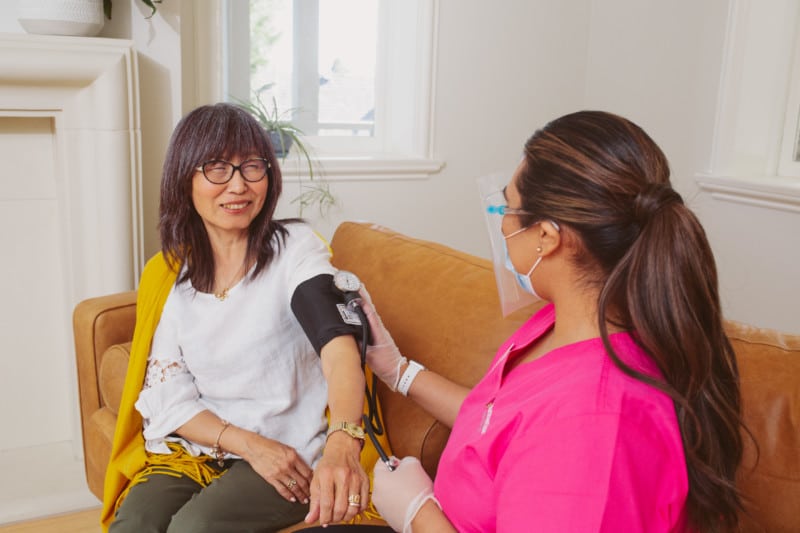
(538, 249)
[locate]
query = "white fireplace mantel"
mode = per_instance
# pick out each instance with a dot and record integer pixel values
(89, 88)
(70, 215)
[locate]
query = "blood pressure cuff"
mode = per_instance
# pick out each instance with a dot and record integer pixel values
(319, 307)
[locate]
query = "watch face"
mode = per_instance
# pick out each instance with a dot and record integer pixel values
(346, 281)
(356, 431)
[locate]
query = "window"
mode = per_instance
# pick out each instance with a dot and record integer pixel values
(754, 157)
(356, 76)
(790, 146)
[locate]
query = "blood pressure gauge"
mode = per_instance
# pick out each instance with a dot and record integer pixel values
(346, 281)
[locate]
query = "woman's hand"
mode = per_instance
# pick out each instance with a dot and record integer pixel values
(281, 466)
(400, 494)
(383, 356)
(340, 487)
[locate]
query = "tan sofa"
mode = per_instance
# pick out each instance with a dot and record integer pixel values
(442, 309)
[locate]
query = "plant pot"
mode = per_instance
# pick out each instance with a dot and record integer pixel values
(61, 17)
(281, 143)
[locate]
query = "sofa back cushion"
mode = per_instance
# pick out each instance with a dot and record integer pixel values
(769, 366)
(442, 309)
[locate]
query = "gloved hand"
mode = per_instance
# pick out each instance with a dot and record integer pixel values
(383, 357)
(398, 495)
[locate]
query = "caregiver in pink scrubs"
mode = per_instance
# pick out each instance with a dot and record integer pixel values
(614, 408)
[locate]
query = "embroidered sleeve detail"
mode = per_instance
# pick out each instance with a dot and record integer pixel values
(161, 371)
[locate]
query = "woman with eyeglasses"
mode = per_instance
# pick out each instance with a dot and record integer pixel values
(616, 407)
(222, 425)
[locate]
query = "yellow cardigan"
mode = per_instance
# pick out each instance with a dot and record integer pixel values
(128, 455)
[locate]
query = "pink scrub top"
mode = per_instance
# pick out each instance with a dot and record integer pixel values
(565, 442)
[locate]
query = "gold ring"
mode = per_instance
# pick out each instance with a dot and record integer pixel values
(291, 483)
(354, 499)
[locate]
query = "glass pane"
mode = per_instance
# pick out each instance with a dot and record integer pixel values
(271, 25)
(797, 138)
(324, 82)
(347, 48)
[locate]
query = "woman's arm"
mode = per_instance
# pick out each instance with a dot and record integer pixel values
(339, 477)
(169, 399)
(438, 395)
(431, 519)
(280, 465)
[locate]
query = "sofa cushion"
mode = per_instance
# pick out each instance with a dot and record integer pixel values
(113, 366)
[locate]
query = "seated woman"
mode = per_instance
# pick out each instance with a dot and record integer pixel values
(614, 408)
(222, 425)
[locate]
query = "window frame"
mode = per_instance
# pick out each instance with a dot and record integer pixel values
(409, 157)
(789, 164)
(758, 108)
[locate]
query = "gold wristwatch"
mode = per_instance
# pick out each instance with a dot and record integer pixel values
(354, 430)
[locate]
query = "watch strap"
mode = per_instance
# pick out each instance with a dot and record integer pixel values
(353, 430)
(408, 376)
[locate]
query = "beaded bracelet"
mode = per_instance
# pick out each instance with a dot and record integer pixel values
(216, 451)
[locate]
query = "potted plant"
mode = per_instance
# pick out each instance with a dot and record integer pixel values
(149, 3)
(284, 135)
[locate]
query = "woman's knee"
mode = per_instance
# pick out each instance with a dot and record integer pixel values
(191, 522)
(150, 505)
(138, 521)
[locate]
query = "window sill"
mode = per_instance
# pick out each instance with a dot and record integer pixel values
(364, 168)
(771, 192)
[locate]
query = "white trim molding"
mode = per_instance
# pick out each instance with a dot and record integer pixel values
(771, 192)
(361, 168)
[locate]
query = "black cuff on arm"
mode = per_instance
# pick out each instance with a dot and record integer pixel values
(319, 308)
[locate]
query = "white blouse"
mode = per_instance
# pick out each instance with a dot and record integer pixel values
(245, 358)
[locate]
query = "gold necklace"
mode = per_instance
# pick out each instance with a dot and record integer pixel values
(224, 293)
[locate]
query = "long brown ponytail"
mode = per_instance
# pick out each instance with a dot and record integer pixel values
(605, 178)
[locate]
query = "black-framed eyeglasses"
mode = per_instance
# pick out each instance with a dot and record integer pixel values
(219, 171)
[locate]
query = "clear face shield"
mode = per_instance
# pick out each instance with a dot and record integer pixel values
(512, 296)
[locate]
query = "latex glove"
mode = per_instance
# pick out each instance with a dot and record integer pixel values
(398, 495)
(383, 356)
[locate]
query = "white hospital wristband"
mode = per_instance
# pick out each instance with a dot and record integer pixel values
(408, 377)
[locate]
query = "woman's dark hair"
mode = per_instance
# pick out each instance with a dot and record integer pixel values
(209, 132)
(604, 178)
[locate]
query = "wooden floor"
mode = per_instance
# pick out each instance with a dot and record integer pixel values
(87, 521)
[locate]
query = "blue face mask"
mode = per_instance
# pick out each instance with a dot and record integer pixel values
(524, 281)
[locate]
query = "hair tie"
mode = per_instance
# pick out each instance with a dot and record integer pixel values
(651, 199)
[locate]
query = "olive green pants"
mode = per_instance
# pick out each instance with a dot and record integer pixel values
(239, 501)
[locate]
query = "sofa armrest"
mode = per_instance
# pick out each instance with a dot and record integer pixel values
(97, 324)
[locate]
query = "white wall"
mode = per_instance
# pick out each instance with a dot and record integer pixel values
(659, 63)
(504, 69)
